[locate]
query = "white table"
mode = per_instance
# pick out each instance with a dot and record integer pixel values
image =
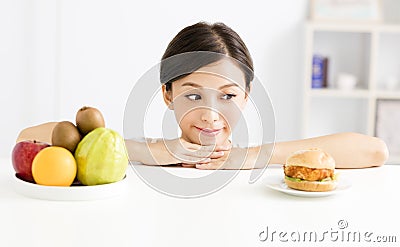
(233, 216)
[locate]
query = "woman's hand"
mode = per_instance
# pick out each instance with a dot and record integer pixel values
(189, 154)
(232, 159)
(240, 158)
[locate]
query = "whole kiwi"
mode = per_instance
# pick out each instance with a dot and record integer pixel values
(89, 118)
(65, 134)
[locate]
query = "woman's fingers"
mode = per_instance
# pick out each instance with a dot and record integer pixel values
(203, 154)
(188, 165)
(208, 148)
(199, 148)
(209, 166)
(223, 147)
(203, 166)
(214, 148)
(191, 153)
(216, 155)
(207, 154)
(193, 146)
(194, 160)
(214, 164)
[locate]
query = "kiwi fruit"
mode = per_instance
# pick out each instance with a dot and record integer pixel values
(89, 118)
(65, 134)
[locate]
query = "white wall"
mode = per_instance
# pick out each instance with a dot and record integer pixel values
(57, 56)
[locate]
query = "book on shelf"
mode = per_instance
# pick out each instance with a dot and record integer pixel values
(319, 71)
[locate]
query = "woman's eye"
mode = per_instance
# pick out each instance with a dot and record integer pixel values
(228, 96)
(193, 96)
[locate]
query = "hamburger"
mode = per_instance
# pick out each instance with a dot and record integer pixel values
(310, 170)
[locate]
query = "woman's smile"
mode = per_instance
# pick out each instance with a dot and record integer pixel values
(209, 132)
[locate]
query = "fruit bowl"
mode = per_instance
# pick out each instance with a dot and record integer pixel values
(72, 193)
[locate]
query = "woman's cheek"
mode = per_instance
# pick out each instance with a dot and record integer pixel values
(231, 116)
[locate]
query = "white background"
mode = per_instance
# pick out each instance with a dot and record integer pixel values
(57, 55)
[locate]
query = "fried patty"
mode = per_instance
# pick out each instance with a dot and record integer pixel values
(310, 174)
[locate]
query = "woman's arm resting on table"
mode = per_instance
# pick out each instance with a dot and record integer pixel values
(148, 153)
(136, 150)
(350, 150)
(153, 154)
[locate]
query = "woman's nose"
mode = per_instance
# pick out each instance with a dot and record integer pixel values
(210, 115)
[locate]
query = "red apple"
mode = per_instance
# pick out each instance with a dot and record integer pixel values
(22, 157)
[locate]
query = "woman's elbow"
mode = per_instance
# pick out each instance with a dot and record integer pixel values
(380, 153)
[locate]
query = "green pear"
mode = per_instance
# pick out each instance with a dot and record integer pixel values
(101, 157)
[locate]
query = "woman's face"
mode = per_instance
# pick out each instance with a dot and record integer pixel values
(208, 103)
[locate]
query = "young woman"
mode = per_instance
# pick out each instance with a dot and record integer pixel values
(207, 105)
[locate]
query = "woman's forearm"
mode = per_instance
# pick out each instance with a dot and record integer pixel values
(350, 150)
(149, 153)
(41, 132)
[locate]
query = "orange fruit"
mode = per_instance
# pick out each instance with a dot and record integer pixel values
(54, 166)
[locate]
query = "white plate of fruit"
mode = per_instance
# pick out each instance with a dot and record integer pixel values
(85, 161)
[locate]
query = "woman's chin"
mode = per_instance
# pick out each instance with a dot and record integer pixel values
(218, 140)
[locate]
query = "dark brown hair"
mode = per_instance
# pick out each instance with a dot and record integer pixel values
(211, 39)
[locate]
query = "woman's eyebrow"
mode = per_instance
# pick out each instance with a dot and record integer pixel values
(191, 84)
(229, 85)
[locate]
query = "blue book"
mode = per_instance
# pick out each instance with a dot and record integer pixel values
(319, 71)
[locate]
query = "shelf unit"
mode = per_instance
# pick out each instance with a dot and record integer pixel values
(359, 49)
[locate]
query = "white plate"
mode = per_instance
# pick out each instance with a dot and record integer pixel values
(277, 183)
(72, 193)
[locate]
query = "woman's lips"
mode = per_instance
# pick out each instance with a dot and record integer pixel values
(209, 132)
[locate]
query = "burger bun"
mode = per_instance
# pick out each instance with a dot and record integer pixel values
(311, 158)
(311, 185)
